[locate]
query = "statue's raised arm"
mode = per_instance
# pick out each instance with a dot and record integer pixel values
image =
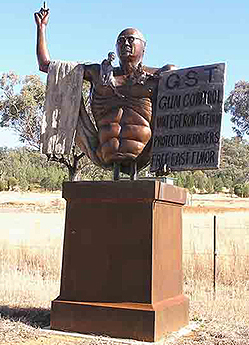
(41, 19)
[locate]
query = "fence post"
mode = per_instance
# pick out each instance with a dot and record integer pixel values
(215, 255)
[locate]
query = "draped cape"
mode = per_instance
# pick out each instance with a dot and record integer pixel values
(65, 120)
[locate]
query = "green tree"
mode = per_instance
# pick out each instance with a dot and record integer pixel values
(3, 185)
(12, 182)
(218, 184)
(190, 183)
(234, 167)
(209, 185)
(237, 104)
(199, 180)
(238, 189)
(26, 168)
(234, 170)
(242, 190)
(246, 190)
(21, 107)
(22, 110)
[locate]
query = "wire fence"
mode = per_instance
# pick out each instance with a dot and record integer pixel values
(216, 246)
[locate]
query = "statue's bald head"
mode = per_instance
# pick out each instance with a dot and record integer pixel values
(134, 32)
(130, 46)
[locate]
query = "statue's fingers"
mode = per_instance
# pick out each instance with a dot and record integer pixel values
(37, 15)
(46, 16)
(45, 13)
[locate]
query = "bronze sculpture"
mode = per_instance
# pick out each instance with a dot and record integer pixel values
(116, 230)
(122, 99)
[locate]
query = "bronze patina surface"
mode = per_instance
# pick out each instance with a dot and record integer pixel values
(122, 260)
(123, 98)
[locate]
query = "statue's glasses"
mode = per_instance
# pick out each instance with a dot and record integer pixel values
(130, 39)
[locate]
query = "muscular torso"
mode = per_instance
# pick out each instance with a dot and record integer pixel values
(123, 118)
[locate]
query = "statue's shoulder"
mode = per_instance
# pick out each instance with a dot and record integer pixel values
(92, 71)
(156, 70)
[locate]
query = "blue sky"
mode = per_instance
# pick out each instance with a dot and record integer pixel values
(185, 33)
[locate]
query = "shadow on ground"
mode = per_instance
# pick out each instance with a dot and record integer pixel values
(36, 317)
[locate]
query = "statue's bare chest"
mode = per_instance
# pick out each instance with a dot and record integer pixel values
(134, 101)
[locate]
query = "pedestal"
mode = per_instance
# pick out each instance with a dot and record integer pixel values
(122, 260)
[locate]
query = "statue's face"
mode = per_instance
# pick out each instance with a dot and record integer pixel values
(130, 46)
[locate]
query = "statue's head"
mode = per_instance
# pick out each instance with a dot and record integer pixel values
(111, 57)
(130, 46)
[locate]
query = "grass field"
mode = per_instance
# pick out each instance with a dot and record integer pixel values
(31, 235)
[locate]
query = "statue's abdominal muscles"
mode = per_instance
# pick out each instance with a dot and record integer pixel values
(124, 126)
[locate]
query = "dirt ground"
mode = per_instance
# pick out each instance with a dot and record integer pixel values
(217, 200)
(35, 218)
(43, 202)
(54, 200)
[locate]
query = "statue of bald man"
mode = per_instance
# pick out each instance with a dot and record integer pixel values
(123, 111)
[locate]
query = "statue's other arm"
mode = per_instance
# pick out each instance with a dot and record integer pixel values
(41, 19)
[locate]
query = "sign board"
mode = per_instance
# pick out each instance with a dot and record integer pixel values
(187, 123)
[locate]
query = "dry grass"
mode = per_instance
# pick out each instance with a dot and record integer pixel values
(223, 315)
(30, 278)
(16, 332)
(33, 281)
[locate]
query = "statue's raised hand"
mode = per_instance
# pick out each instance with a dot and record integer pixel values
(41, 17)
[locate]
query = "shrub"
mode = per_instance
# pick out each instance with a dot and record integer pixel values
(2, 185)
(242, 190)
(12, 182)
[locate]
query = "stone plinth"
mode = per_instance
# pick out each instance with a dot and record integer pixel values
(122, 260)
